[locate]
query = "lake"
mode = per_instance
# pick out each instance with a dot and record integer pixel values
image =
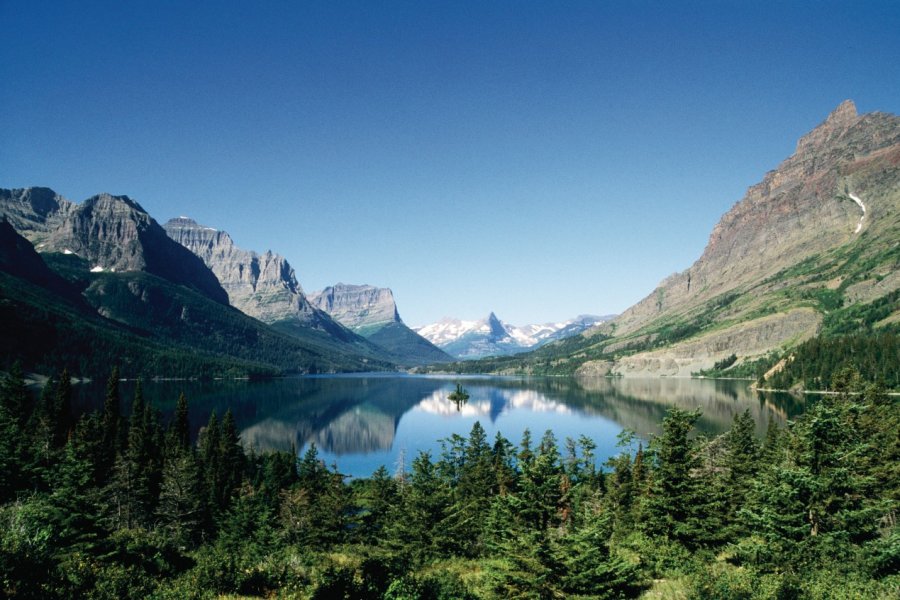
(360, 422)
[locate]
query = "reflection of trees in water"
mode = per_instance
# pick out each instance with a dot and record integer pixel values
(341, 415)
(360, 414)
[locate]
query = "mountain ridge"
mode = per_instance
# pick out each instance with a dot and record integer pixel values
(492, 337)
(372, 313)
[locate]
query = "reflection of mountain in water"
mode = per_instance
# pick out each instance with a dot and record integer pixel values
(346, 415)
(641, 404)
(490, 402)
(341, 415)
(636, 404)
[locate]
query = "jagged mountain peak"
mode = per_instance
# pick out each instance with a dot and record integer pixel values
(105, 201)
(491, 336)
(822, 222)
(113, 233)
(844, 113)
(836, 123)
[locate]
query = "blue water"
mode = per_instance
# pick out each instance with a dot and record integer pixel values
(361, 422)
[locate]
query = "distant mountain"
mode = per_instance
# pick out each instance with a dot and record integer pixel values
(263, 286)
(813, 249)
(493, 337)
(112, 233)
(372, 312)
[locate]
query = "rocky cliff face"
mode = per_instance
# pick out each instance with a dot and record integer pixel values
(819, 226)
(263, 286)
(372, 313)
(34, 212)
(359, 307)
(113, 233)
(800, 209)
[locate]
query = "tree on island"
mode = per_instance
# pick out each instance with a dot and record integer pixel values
(459, 397)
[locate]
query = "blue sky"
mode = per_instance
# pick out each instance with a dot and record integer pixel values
(536, 159)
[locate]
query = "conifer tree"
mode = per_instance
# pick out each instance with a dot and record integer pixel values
(14, 402)
(113, 427)
(210, 461)
(135, 483)
(675, 506)
(180, 428)
(181, 505)
(231, 459)
(62, 409)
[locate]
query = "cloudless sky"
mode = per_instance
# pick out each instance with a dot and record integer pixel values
(535, 159)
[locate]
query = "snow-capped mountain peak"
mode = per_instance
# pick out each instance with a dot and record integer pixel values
(491, 336)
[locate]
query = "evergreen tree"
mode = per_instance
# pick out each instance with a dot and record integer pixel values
(181, 507)
(180, 428)
(381, 494)
(113, 428)
(503, 462)
(137, 472)
(14, 401)
(675, 508)
(471, 498)
(62, 410)
(741, 462)
(231, 459)
(590, 568)
(210, 462)
(417, 526)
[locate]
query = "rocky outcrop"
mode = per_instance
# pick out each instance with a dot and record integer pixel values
(800, 209)
(263, 286)
(359, 307)
(35, 211)
(372, 313)
(113, 233)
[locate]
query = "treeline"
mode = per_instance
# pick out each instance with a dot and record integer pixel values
(110, 506)
(817, 363)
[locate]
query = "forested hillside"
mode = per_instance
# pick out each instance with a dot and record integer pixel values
(116, 506)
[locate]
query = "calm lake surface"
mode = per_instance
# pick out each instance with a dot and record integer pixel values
(360, 422)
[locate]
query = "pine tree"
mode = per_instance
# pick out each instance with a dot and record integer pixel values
(741, 462)
(590, 569)
(180, 428)
(210, 462)
(113, 428)
(231, 459)
(135, 483)
(675, 508)
(62, 410)
(14, 402)
(181, 507)
(471, 498)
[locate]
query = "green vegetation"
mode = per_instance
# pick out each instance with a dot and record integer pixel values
(110, 506)
(818, 363)
(151, 327)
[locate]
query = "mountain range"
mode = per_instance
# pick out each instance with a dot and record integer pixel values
(812, 249)
(107, 259)
(492, 337)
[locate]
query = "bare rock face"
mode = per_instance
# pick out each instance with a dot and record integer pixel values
(33, 212)
(840, 189)
(263, 286)
(113, 233)
(359, 307)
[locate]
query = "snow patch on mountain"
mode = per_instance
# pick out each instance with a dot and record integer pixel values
(492, 337)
